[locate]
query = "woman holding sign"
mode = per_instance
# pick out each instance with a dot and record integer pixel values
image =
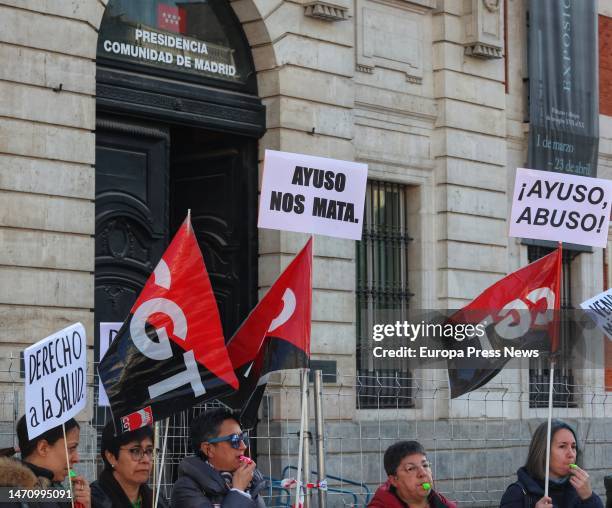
(45, 457)
(128, 459)
(569, 485)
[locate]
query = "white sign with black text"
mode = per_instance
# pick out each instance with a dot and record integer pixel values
(599, 308)
(309, 194)
(55, 379)
(561, 207)
(108, 331)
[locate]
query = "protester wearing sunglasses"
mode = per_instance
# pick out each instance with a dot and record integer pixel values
(128, 459)
(219, 474)
(410, 481)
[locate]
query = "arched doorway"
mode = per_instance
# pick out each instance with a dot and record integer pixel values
(178, 118)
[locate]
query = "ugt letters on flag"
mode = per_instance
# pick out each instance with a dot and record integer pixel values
(170, 353)
(275, 336)
(517, 311)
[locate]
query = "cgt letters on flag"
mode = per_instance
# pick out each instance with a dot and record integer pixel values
(170, 353)
(518, 311)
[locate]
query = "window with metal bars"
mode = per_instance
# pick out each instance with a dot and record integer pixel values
(382, 294)
(539, 372)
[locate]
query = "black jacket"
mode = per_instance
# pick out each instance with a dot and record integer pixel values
(528, 491)
(201, 486)
(107, 493)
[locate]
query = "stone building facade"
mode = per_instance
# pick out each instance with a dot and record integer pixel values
(429, 93)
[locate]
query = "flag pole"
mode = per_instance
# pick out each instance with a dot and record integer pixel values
(304, 383)
(161, 465)
(155, 440)
(551, 371)
(69, 466)
(304, 461)
(550, 404)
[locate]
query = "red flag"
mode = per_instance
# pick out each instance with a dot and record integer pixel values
(181, 278)
(170, 353)
(532, 291)
(275, 336)
(524, 301)
(171, 18)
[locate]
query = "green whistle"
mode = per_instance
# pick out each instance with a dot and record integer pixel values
(72, 474)
(426, 486)
(573, 466)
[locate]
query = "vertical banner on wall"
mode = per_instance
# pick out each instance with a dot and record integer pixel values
(563, 86)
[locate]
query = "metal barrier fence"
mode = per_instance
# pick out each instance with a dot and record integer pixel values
(475, 443)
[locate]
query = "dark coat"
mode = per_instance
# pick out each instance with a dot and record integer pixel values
(107, 493)
(43, 480)
(528, 491)
(199, 485)
(386, 497)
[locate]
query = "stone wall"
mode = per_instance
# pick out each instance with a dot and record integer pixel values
(47, 156)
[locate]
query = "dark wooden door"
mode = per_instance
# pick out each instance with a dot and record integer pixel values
(131, 212)
(215, 175)
(147, 177)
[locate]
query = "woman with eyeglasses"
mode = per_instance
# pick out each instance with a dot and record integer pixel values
(569, 486)
(409, 483)
(219, 474)
(128, 459)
